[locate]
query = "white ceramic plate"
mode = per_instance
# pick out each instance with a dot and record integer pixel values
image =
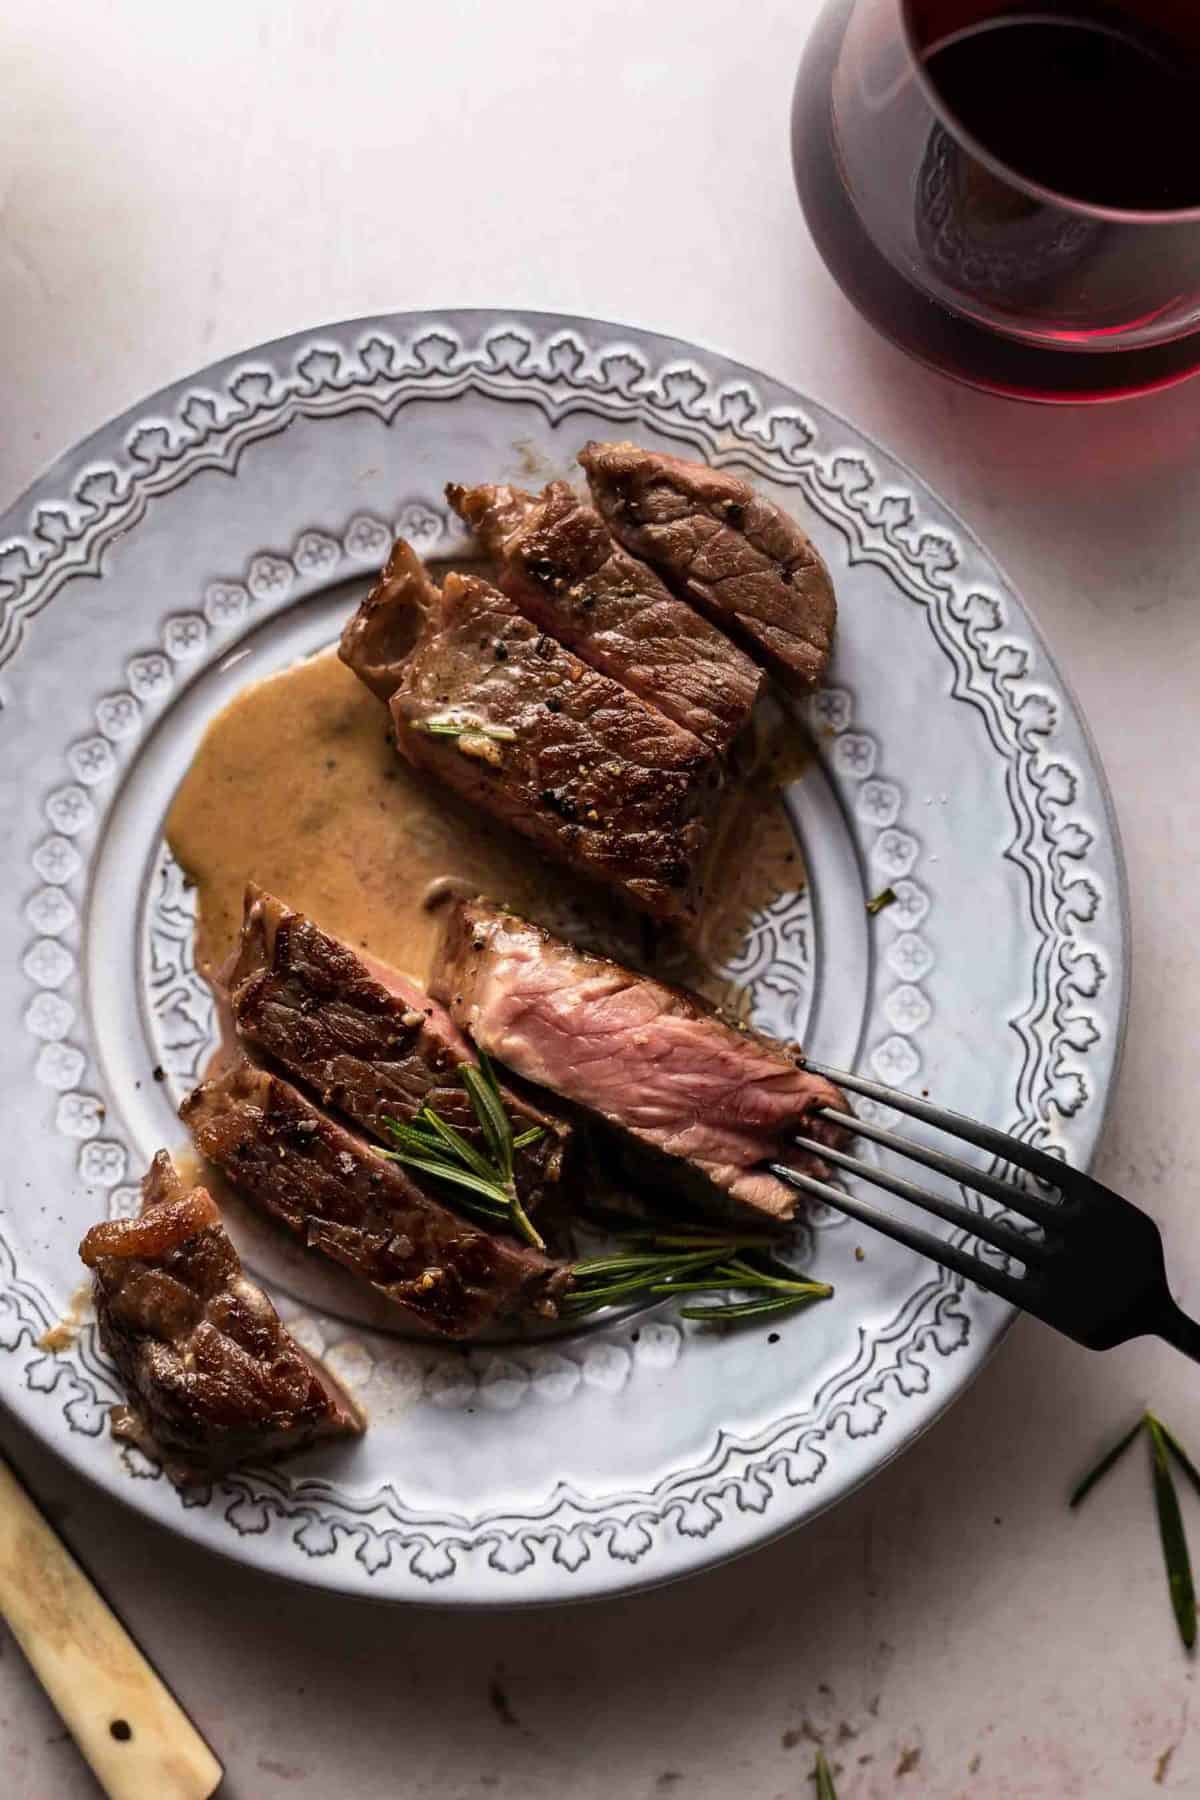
(225, 527)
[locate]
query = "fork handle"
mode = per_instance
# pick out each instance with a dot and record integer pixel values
(1174, 1325)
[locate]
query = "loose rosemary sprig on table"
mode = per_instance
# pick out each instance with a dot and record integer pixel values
(822, 1778)
(484, 1176)
(1164, 1450)
(692, 1262)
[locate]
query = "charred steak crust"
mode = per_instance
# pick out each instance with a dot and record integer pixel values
(328, 1187)
(378, 639)
(702, 1102)
(562, 754)
(559, 561)
(721, 545)
(211, 1374)
(365, 1040)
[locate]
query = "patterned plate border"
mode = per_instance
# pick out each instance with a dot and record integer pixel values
(562, 366)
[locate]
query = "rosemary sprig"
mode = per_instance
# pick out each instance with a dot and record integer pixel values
(1174, 1541)
(455, 725)
(429, 1143)
(886, 897)
(601, 1280)
(692, 1262)
(1105, 1464)
(822, 1778)
(1164, 1448)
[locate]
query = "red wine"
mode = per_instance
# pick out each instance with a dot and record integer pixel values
(1078, 105)
(972, 273)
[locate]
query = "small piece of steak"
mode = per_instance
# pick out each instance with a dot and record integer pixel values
(560, 563)
(211, 1374)
(704, 1101)
(378, 639)
(719, 544)
(517, 724)
(332, 1190)
(364, 1039)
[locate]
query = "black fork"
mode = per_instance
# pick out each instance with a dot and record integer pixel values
(1093, 1265)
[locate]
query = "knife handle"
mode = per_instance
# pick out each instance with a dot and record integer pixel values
(133, 1732)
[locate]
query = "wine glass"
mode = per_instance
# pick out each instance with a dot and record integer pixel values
(1010, 194)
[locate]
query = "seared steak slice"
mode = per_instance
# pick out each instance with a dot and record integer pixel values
(212, 1376)
(364, 1039)
(379, 638)
(559, 562)
(507, 717)
(704, 1102)
(362, 1211)
(723, 547)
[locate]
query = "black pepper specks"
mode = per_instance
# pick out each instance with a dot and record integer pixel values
(560, 803)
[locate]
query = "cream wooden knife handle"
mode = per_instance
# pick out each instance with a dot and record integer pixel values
(139, 1741)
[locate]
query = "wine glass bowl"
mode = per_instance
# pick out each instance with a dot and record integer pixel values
(1011, 196)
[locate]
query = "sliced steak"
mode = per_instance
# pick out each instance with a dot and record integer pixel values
(704, 1101)
(517, 724)
(332, 1190)
(378, 640)
(720, 545)
(366, 1040)
(560, 563)
(212, 1377)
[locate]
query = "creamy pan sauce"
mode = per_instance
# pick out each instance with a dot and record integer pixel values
(297, 786)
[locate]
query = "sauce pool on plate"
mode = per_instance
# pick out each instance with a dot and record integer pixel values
(297, 785)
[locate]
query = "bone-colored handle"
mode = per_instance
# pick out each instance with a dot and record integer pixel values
(135, 1735)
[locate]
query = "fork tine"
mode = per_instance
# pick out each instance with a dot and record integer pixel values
(1046, 1212)
(985, 1137)
(1008, 1287)
(992, 1231)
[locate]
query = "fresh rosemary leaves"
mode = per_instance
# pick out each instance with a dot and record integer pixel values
(886, 897)
(658, 1262)
(1174, 1543)
(1164, 1450)
(822, 1779)
(668, 1262)
(484, 1177)
(454, 725)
